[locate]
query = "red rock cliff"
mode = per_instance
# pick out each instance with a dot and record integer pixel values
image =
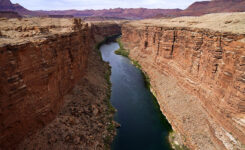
(197, 74)
(40, 62)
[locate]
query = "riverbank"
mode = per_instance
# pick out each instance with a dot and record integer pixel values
(196, 70)
(171, 137)
(86, 119)
(176, 140)
(124, 52)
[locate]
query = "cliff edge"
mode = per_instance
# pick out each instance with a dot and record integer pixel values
(41, 61)
(196, 67)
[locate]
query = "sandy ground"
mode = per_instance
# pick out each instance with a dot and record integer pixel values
(222, 22)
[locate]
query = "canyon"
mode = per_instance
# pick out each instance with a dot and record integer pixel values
(196, 71)
(42, 60)
(54, 86)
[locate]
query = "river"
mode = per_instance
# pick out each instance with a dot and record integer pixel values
(143, 127)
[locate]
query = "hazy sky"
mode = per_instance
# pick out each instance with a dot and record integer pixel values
(101, 4)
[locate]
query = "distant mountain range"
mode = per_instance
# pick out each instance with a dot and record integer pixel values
(129, 13)
(196, 9)
(7, 6)
(213, 6)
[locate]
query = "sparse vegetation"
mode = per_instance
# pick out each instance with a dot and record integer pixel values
(111, 127)
(243, 146)
(136, 63)
(172, 136)
(121, 51)
(97, 48)
(106, 39)
(110, 109)
(107, 141)
(145, 76)
(179, 147)
(146, 80)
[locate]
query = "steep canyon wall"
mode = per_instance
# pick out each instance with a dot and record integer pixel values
(41, 59)
(197, 72)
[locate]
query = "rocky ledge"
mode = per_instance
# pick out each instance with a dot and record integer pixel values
(49, 67)
(196, 67)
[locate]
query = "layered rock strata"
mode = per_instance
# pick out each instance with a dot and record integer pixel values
(197, 72)
(9, 14)
(84, 120)
(41, 60)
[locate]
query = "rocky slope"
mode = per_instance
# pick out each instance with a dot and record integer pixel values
(8, 6)
(85, 118)
(214, 6)
(196, 70)
(206, 7)
(9, 14)
(41, 60)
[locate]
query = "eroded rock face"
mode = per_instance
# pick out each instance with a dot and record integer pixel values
(101, 30)
(214, 6)
(9, 14)
(199, 8)
(84, 118)
(40, 62)
(198, 78)
(7, 5)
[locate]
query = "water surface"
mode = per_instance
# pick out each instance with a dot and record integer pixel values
(143, 127)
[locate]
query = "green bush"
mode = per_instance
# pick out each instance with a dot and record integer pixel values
(110, 109)
(121, 51)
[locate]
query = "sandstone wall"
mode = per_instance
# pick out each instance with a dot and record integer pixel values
(39, 64)
(198, 78)
(101, 30)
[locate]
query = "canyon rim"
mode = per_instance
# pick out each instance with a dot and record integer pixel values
(196, 71)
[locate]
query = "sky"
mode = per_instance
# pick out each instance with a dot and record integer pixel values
(101, 4)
